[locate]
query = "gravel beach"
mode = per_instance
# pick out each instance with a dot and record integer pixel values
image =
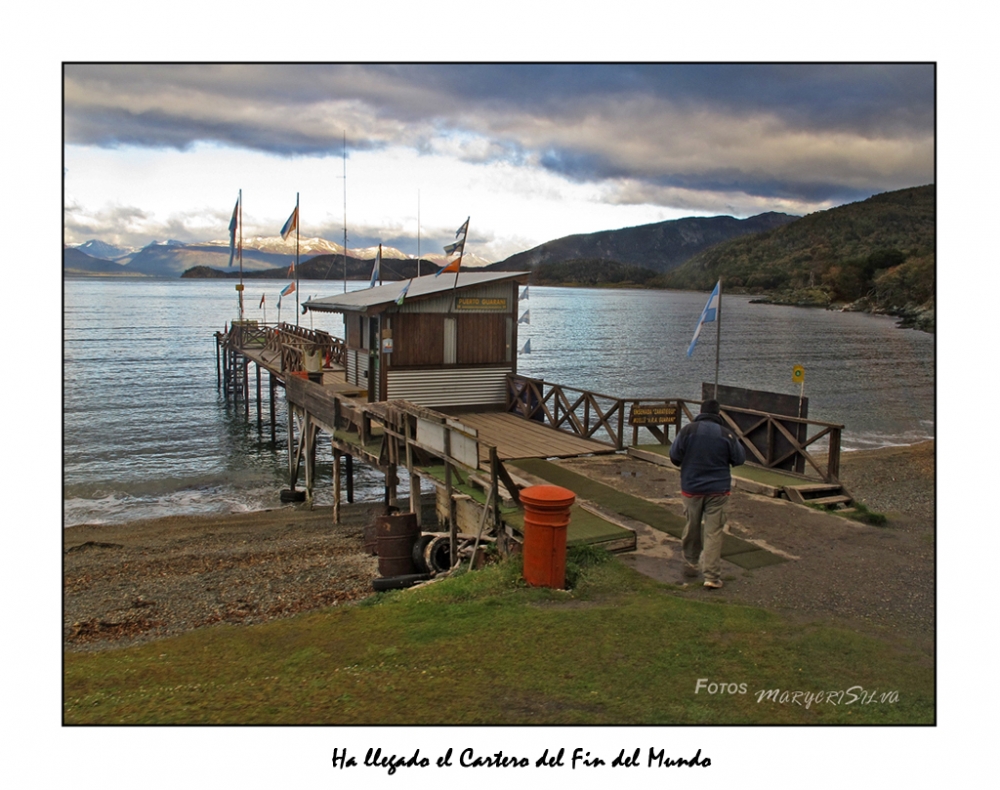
(131, 583)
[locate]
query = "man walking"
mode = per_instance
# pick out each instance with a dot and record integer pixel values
(704, 450)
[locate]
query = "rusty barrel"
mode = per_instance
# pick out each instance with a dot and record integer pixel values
(546, 517)
(395, 536)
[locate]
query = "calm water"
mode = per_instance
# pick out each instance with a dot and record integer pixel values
(147, 433)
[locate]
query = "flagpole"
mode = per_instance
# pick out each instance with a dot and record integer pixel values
(718, 338)
(461, 253)
(379, 264)
(298, 221)
(241, 253)
(418, 233)
(345, 212)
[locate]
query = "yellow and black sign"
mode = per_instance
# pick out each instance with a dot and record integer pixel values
(660, 414)
(798, 374)
(483, 304)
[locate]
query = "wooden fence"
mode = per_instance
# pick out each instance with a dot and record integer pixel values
(590, 415)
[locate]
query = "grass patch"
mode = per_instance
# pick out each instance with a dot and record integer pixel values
(484, 648)
(866, 516)
(860, 513)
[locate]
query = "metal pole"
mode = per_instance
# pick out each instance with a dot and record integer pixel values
(718, 338)
(298, 222)
(241, 254)
(345, 213)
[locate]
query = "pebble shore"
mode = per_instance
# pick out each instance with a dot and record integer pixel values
(131, 583)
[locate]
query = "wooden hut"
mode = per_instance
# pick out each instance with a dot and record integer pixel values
(446, 344)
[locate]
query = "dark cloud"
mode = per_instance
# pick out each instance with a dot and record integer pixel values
(799, 131)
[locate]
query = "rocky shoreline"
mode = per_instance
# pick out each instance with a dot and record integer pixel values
(131, 583)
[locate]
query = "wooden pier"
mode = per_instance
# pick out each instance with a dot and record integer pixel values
(467, 413)
(462, 453)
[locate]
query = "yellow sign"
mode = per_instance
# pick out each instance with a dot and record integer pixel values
(239, 286)
(798, 374)
(666, 414)
(482, 304)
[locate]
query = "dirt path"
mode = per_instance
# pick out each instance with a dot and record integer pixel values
(880, 579)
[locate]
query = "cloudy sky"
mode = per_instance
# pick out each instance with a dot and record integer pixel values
(529, 152)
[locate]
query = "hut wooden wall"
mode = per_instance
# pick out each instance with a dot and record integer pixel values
(418, 339)
(481, 338)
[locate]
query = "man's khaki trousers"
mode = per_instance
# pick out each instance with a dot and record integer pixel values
(702, 539)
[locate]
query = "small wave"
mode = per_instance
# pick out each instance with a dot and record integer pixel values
(872, 441)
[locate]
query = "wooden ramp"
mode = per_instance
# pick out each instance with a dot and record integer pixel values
(767, 482)
(515, 437)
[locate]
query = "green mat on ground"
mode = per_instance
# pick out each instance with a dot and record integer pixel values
(735, 550)
(584, 527)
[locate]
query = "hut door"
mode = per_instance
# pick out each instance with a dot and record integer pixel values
(373, 346)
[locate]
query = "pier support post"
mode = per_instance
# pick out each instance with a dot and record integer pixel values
(291, 446)
(245, 363)
(260, 423)
(415, 497)
(218, 363)
(350, 479)
(271, 387)
(390, 487)
(310, 453)
(336, 486)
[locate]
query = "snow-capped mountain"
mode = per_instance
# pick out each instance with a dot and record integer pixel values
(311, 246)
(101, 249)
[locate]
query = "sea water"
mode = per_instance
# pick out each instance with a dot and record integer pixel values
(147, 432)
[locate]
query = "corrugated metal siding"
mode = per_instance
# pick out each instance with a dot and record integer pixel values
(455, 387)
(442, 304)
(352, 367)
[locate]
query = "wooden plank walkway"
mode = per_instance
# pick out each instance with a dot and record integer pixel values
(515, 437)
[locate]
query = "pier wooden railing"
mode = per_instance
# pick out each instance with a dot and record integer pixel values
(769, 442)
(287, 341)
(589, 415)
(768, 438)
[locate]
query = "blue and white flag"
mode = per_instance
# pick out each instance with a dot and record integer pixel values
(292, 223)
(402, 294)
(232, 232)
(526, 318)
(524, 293)
(527, 347)
(376, 267)
(708, 315)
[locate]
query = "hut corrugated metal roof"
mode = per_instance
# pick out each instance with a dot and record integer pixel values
(381, 297)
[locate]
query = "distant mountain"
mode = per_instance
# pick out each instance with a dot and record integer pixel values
(100, 249)
(876, 254)
(324, 267)
(659, 246)
(171, 260)
(803, 253)
(79, 263)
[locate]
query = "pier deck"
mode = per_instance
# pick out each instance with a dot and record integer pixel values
(515, 437)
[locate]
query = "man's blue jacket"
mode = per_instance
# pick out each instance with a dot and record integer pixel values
(704, 450)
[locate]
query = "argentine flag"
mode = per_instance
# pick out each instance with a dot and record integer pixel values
(708, 315)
